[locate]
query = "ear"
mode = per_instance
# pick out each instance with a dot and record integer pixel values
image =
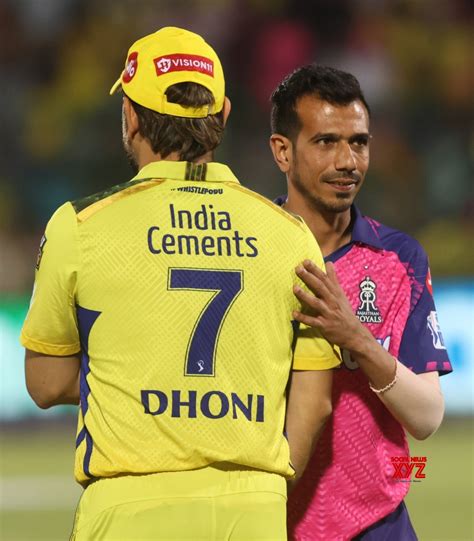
(226, 109)
(282, 149)
(131, 117)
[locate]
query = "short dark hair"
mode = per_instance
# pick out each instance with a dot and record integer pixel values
(329, 84)
(190, 137)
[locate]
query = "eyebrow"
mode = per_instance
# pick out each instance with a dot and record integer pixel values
(337, 136)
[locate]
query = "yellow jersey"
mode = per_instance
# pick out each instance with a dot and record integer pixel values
(176, 287)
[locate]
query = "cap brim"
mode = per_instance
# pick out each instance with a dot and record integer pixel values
(117, 85)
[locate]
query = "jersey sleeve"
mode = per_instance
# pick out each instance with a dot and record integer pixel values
(312, 350)
(50, 326)
(422, 347)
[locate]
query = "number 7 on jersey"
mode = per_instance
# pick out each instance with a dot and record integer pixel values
(202, 345)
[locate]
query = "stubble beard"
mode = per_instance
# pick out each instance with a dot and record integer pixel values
(341, 203)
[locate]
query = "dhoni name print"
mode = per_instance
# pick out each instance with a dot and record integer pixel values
(230, 243)
(212, 404)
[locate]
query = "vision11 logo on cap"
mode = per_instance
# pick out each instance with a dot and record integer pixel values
(183, 62)
(130, 68)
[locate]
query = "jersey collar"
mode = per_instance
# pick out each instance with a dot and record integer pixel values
(364, 229)
(211, 171)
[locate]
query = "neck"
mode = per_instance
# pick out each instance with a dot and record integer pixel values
(331, 229)
(145, 155)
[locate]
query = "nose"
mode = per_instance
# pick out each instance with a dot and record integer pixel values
(345, 159)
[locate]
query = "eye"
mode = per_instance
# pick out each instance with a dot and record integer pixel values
(325, 141)
(361, 141)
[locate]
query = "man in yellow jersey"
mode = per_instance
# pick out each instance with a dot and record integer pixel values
(162, 307)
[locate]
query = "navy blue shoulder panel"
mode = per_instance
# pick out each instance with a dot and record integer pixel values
(83, 203)
(408, 249)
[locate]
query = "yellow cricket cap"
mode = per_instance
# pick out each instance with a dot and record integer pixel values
(167, 57)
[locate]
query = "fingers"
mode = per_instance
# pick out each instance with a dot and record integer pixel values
(320, 282)
(308, 299)
(331, 274)
(311, 267)
(330, 271)
(308, 320)
(312, 276)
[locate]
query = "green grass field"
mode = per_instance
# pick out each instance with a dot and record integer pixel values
(38, 493)
(442, 505)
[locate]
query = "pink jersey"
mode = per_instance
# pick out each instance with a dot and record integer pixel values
(349, 483)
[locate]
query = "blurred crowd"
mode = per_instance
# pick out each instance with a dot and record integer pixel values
(61, 132)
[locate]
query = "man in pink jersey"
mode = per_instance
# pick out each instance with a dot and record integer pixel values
(379, 309)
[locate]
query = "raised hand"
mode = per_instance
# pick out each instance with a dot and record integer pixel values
(326, 306)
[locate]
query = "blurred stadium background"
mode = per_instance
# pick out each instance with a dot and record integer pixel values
(60, 139)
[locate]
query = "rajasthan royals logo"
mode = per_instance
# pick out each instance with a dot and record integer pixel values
(433, 326)
(368, 311)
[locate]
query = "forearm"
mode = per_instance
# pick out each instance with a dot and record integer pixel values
(303, 435)
(416, 401)
(309, 407)
(302, 444)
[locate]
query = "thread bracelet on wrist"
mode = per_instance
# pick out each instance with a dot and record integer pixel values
(389, 385)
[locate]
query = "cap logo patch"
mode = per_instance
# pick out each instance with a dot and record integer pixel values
(183, 62)
(163, 65)
(130, 68)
